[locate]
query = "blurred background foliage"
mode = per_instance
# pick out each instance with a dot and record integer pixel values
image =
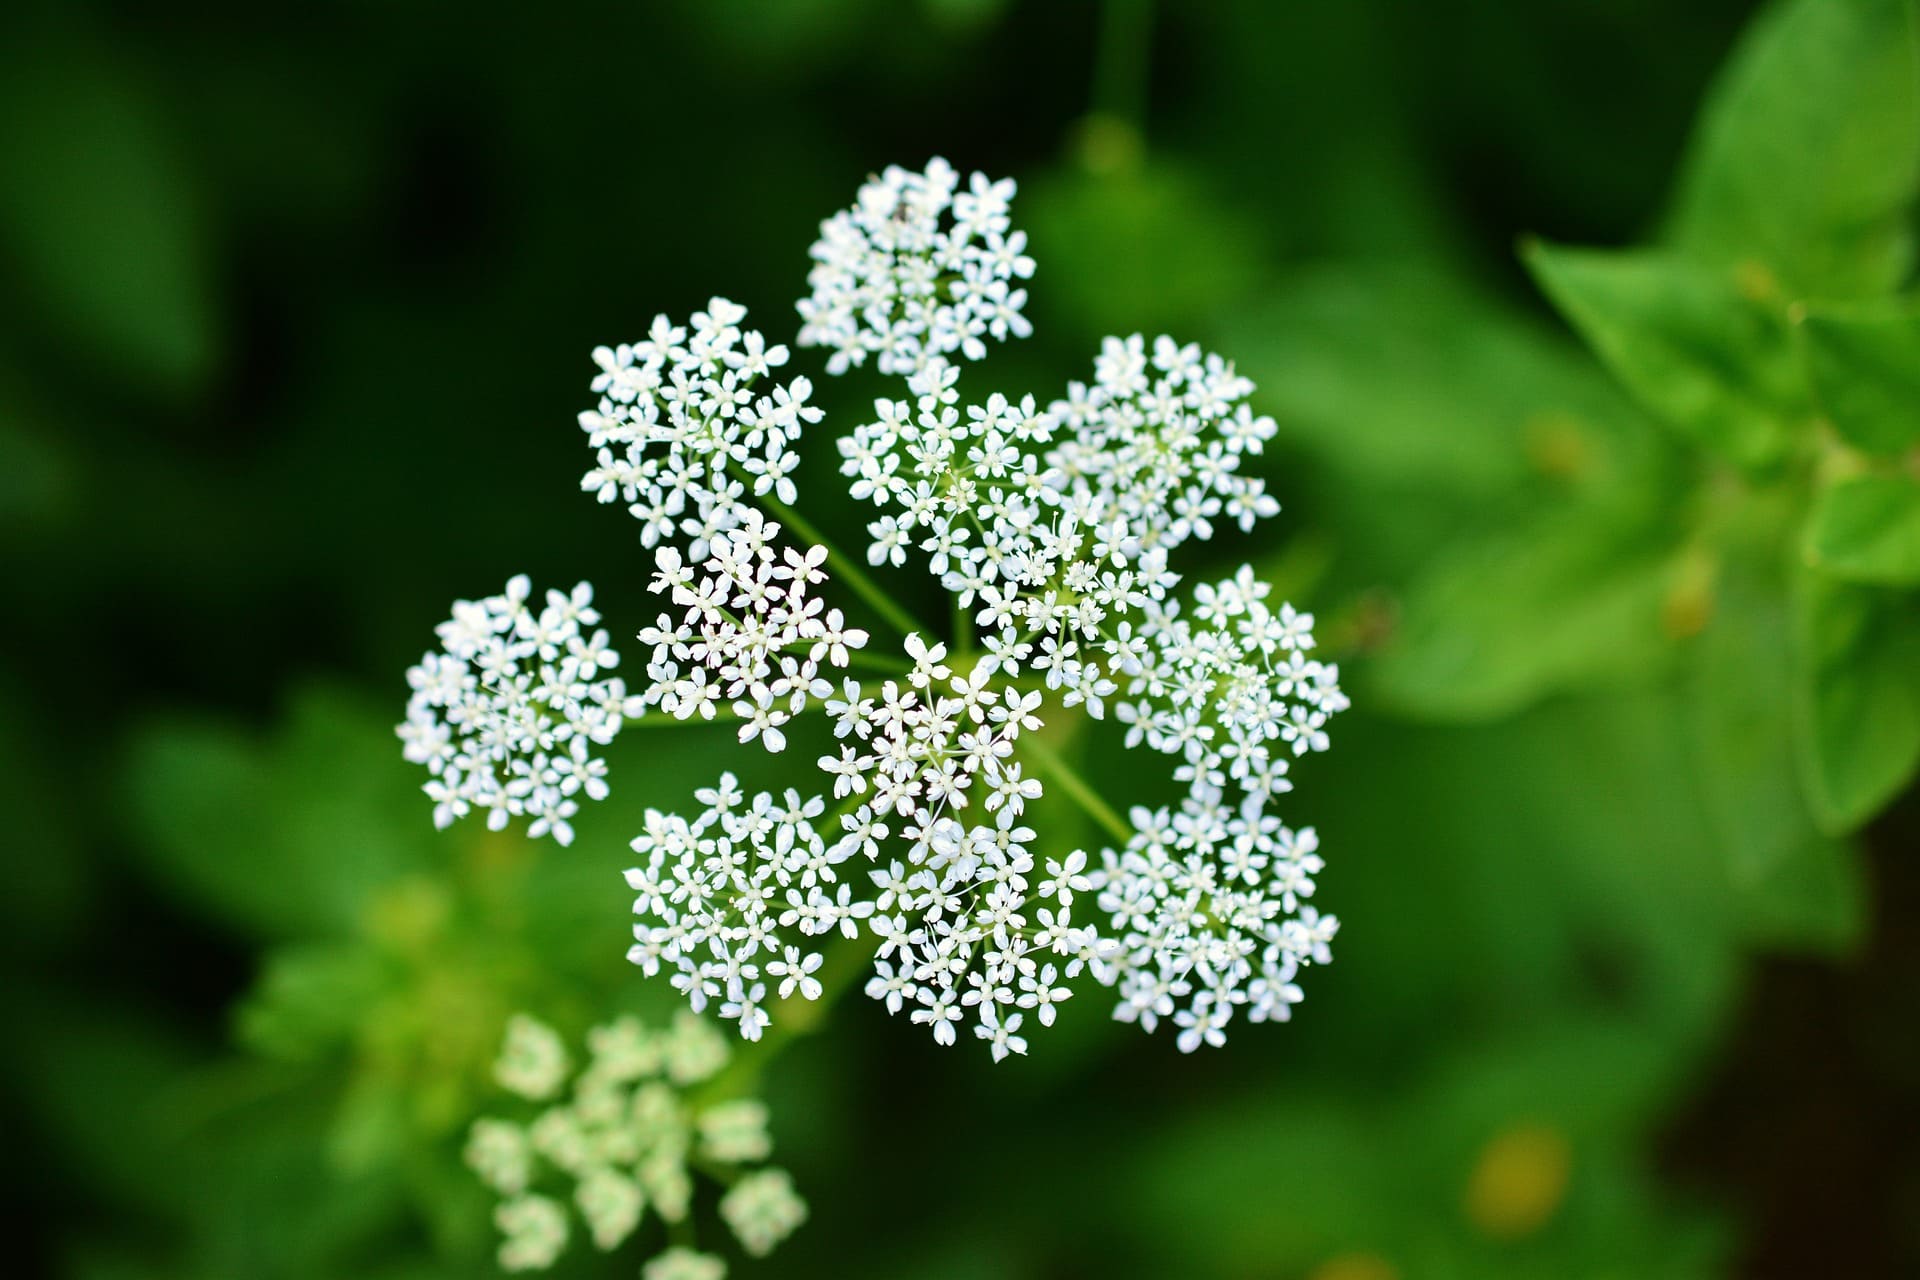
(1589, 331)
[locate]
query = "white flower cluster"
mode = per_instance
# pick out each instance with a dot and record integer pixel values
(917, 269)
(751, 633)
(681, 434)
(953, 920)
(628, 1137)
(1053, 529)
(1203, 906)
(1059, 523)
(507, 715)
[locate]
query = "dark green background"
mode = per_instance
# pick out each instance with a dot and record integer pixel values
(297, 302)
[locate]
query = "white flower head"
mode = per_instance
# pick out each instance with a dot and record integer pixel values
(1055, 530)
(687, 428)
(917, 269)
(751, 635)
(631, 1134)
(508, 715)
(763, 1209)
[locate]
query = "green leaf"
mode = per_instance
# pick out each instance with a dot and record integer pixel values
(1867, 529)
(284, 837)
(1815, 899)
(1184, 249)
(1794, 885)
(1857, 694)
(1409, 379)
(1865, 365)
(1808, 153)
(102, 217)
(310, 998)
(1387, 1175)
(1438, 417)
(1699, 352)
(1561, 605)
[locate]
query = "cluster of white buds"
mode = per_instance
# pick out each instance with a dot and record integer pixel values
(752, 634)
(917, 269)
(507, 715)
(628, 1136)
(681, 433)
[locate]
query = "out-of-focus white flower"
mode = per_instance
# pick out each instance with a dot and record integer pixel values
(763, 1209)
(629, 1137)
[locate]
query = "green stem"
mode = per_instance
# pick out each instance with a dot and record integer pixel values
(842, 965)
(852, 574)
(1077, 788)
(878, 665)
(962, 630)
(1121, 60)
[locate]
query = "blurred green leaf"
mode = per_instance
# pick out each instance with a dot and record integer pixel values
(1697, 351)
(1857, 695)
(1865, 365)
(1569, 603)
(1185, 250)
(1867, 529)
(1390, 1177)
(265, 1200)
(101, 214)
(1487, 423)
(310, 999)
(1794, 886)
(1808, 153)
(1814, 899)
(285, 836)
(1471, 381)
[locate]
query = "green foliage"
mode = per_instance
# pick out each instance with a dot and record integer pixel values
(1867, 529)
(1808, 153)
(1703, 354)
(1185, 250)
(1865, 365)
(103, 216)
(1793, 214)
(284, 838)
(1857, 692)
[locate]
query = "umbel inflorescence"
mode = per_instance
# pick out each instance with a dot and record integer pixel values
(627, 1134)
(1055, 529)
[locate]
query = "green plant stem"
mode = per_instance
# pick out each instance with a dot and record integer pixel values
(1121, 59)
(962, 630)
(852, 574)
(1077, 788)
(858, 661)
(842, 965)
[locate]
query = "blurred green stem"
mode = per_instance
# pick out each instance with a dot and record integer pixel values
(841, 968)
(962, 630)
(854, 576)
(1082, 793)
(1121, 61)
